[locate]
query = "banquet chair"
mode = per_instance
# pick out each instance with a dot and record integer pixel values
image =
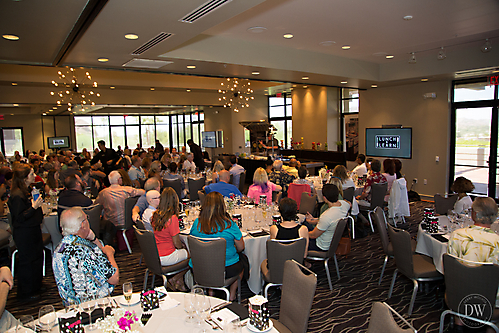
(380, 220)
(348, 194)
(443, 204)
(242, 181)
(331, 253)
(378, 192)
(464, 278)
(295, 191)
(194, 186)
(308, 202)
(416, 267)
(5, 240)
(149, 249)
(129, 204)
(93, 213)
(175, 184)
(278, 252)
(208, 265)
(398, 203)
(381, 320)
(201, 196)
(298, 291)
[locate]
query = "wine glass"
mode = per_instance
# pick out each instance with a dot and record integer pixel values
(88, 305)
(25, 324)
(47, 317)
(188, 307)
(127, 291)
(103, 303)
(202, 307)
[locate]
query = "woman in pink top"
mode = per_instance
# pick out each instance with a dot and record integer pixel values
(166, 232)
(261, 185)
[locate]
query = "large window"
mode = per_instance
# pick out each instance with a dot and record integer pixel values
(171, 131)
(349, 113)
(12, 140)
(280, 115)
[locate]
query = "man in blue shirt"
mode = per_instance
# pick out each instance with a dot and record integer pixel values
(223, 187)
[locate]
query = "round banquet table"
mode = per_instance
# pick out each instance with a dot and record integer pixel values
(171, 320)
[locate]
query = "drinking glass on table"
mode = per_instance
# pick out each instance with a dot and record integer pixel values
(47, 317)
(88, 305)
(128, 291)
(25, 324)
(103, 303)
(189, 307)
(202, 307)
(233, 327)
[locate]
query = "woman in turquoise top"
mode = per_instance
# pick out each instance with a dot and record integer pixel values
(214, 222)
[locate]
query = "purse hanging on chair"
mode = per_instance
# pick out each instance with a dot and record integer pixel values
(345, 243)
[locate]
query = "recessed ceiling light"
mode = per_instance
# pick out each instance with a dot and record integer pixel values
(188, 90)
(15, 104)
(152, 89)
(44, 114)
(424, 80)
(305, 87)
(288, 36)
(14, 83)
(255, 73)
(344, 82)
(346, 47)
(257, 30)
(305, 78)
(191, 66)
(103, 59)
(389, 56)
(327, 43)
(374, 86)
(11, 37)
(11, 114)
(131, 36)
(408, 17)
(112, 87)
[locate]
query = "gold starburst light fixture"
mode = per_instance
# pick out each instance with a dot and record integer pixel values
(236, 93)
(76, 88)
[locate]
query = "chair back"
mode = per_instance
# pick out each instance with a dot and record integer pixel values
(231, 179)
(140, 224)
(175, 184)
(201, 196)
(93, 213)
(129, 204)
(149, 249)
(378, 192)
(443, 204)
(298, 290)
(242, 181)
(307, 203)
(463, 278)
(382, 321)
(194, 186)
(398, 202)
(402, 252)
(338, 233)
(379, 219)
(279, 251)
(208, 260)
(348, 194)
(295, 191)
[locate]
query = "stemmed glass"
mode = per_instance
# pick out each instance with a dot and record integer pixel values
(188, 307)
(25, 324)
(103, 304)
(47, 317)
(127, 291)
(202, 307)
(88, 305)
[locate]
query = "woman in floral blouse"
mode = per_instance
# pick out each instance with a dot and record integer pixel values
(375, 177)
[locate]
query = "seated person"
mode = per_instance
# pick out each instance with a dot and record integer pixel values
(289, 228)
(389, 173)
(166, 232)
(281, 178)
(462, 186)
(341, 173)
(322, 234)
(136, 173)
(152, 197)
(375, 177)
(302, 174)
(189, 165)
(81, 264)
(171, 174)
(223, 187)
(72, 169)
(235, 170)
(291, 168)
(214, 222)
(73, 194)
(7, 320)
(90, 181)
(141, 205)
(262, 186)
(361, 169)
(216, 171)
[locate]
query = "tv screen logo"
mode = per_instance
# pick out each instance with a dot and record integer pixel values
(58, 142)
(387, 142)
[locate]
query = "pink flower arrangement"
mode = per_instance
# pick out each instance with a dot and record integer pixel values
(127, 321)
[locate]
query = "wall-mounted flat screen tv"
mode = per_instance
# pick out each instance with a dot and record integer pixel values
(58, 142)
(389, 142)
(209, 139)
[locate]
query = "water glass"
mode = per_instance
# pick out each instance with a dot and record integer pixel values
(25, 324)
(188, 307)
(88, 305)
(47, 317)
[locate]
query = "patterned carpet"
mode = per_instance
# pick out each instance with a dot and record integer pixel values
(345, 309)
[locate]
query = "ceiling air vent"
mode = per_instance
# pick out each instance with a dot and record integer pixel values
(151, 43)
(203, 10)
(146, 63)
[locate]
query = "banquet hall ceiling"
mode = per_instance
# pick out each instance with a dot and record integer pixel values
(221, 43)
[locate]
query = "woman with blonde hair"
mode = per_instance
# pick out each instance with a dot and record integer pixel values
(340, 172)
(217, 167)
(214, 222)
(155, 171)
(462, 186)
(262, 186)
(167, 234)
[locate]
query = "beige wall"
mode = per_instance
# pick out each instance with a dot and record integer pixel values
(429, 120)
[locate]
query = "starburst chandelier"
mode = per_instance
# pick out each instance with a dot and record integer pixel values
(76, 88)
(236, 93)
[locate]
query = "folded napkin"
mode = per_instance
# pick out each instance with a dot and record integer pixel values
(168, 303)
(223, 317)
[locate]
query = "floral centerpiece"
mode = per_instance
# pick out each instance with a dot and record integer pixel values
(231, 202)
(120, 321)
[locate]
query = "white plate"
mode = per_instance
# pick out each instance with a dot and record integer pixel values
(254, 329)
(135, 299)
